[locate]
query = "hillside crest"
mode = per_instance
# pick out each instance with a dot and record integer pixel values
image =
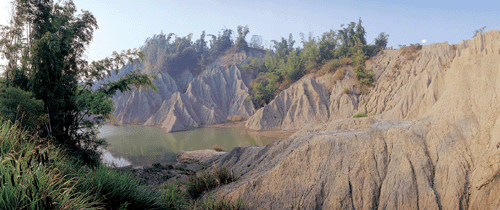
(430, 141)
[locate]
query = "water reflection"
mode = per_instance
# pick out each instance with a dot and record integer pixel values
(147, 145)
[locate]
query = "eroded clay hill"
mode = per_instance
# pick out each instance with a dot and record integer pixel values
(432, 140)
(190, 101)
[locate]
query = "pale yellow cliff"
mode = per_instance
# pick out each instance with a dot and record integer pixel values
(431, 141)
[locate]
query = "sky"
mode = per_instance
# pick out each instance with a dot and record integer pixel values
(125, 24)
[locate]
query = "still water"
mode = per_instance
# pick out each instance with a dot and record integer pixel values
(140, 145)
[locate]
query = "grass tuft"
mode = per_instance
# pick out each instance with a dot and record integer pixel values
(218, 148)
(363, 114)
(174, 197)
(117, 189)
(205, 181)
(210, 202)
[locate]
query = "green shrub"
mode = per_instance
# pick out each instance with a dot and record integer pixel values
(346, 91)
(205, 181)
(363, 114)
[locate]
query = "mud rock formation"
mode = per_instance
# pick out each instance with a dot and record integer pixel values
(307, 102)
(191, 101)
(432, 141)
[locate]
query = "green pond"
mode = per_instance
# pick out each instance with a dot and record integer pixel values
(140, 145)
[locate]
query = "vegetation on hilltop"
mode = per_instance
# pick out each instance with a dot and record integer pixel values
(285, 64)
(176, 54)
(282, 65)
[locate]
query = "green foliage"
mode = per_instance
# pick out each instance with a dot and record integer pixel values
(382, 40)
(310, 54)
(19, 105)
(350, 37)
(363, 114)
(222, 42)
(365, 78)
(263, 91)
(327, 45)
(284, 47)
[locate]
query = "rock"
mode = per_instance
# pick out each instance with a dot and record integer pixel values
(432, 141)
(205, 156)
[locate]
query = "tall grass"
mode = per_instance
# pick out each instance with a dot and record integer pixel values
(36, 175)
(118, 189)
(29, 177)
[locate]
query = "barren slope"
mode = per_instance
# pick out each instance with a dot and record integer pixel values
(433, 142)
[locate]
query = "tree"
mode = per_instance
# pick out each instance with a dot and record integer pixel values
(380, 44)
(256, 42)
(479, 31)
(51, 44)
(360, 32)
(327, 45)
(284, 47)
(201, 44)
(222, 42)
(382, 40)
(241, 44)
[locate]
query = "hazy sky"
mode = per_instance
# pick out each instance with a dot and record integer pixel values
(125, 24)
